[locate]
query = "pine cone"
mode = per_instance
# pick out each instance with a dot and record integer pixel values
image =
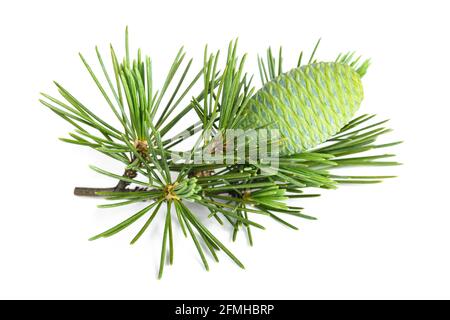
(307, 104)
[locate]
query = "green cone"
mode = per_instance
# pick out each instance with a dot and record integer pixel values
(308, 104)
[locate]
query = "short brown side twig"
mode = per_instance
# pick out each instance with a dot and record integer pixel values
(120, 187)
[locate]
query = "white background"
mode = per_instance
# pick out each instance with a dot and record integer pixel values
(378, 241)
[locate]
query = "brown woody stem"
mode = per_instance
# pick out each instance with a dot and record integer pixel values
(120, 187)
(91, 192)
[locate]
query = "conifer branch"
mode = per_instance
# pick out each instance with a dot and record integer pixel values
(312, 106)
